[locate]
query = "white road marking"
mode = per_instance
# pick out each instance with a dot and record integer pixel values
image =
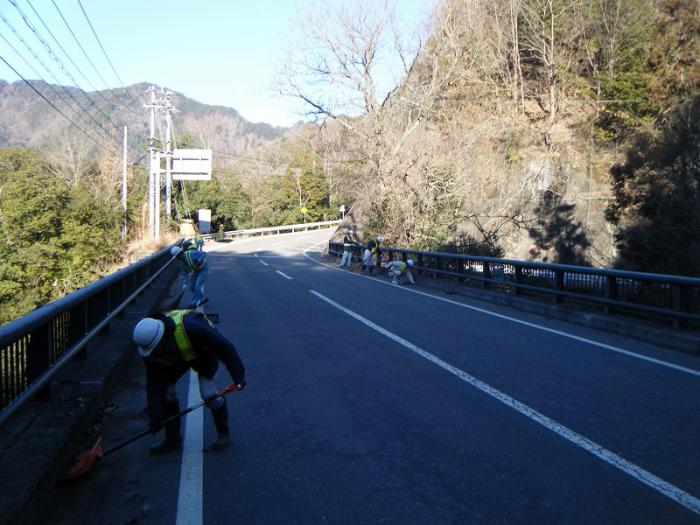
(525, 323)
(663, 487)
(189, 500)
(263, 262)
(284, 275)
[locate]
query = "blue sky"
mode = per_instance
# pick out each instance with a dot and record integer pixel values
(220, 52)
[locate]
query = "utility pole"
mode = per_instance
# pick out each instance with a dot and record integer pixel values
(124, 187)
(168, 156)
(153, 168)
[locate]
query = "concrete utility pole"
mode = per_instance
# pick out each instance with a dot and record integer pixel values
(153, 168)
(124, 187)
(168, 156)
(163, 105)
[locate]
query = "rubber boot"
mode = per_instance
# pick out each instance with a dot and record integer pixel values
(173, 438)
(220, 416)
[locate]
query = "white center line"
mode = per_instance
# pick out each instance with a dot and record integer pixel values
(521, 322)
(667, 489)
(284, 275)
(189, 500)
(263, 262)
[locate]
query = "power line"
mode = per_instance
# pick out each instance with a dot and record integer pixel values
(58, 110)
(55, 58)
(56, 93)
(48, 70)
(70, 59)
(83, 50)
(128, 92)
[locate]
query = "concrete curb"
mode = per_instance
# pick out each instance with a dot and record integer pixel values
(40, 442)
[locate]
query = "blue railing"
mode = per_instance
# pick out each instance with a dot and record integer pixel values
(663, 297)
(34, 347)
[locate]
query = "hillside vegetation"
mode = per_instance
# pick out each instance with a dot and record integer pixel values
(556, 130)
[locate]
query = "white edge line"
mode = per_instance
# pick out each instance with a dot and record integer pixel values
(263, 262)
(526, 323)
(284, 275)
(663, 487)
(189, 500)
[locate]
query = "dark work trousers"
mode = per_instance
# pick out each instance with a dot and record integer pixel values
(161, 396)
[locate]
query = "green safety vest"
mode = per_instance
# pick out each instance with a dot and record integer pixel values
(191, 267)
(182, 342)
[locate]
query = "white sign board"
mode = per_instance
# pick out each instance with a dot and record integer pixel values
(191, 164)
(204, 220)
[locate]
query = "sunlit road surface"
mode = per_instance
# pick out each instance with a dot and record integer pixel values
(374, 403)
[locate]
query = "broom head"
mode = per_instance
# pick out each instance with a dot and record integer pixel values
(85, 462)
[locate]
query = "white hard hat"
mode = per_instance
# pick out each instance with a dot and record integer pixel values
(351, 231)
(410, 262)
(147, 334)
(175, 250)
(380, 238)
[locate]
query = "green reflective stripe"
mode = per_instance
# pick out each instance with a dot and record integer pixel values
(189, 262)
(181, 340)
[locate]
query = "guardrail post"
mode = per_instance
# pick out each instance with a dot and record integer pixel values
(518, 279)
(558, 285)
(681, 303)
(38, 356)
(460, 270)
(439, 267)
(610, 293)
(486, 271)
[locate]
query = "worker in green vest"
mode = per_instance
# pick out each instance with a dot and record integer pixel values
(397, 269)
(171, 343)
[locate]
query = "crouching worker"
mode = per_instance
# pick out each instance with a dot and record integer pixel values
(397, 269)
(171, 343)
(193, 271)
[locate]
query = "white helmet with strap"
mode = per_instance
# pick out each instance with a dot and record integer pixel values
(147, 334)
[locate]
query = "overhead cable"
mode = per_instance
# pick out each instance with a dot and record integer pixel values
(51, 74)
(58, 110)
(128, 91)
(72, 62)
(83, 50)
(56, 59)
(40, 77)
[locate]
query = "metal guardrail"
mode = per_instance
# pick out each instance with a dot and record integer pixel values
(272, 230)
(665, 297)
(34, 347)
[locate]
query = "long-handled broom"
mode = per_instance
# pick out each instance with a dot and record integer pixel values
(86, 461)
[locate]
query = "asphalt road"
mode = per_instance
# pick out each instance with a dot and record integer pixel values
(374, 403)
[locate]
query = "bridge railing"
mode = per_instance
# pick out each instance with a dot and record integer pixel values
(272, 230)
(34, 347)
(665, 297)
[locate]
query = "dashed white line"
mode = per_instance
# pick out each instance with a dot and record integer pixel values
(284, 275)
(189, 500)
(263, 262)
(663, 487)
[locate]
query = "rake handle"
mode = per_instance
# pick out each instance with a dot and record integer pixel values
(227, 390)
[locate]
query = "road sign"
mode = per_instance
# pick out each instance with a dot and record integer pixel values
(191, 164)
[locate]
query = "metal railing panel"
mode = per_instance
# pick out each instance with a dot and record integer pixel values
(34, 347)
(665, 297)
